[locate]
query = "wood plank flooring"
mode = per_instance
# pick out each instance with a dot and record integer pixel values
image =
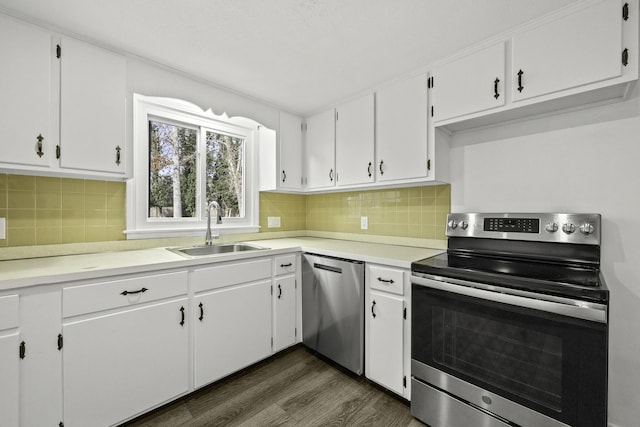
(295, 388)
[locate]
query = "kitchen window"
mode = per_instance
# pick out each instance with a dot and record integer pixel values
(186, 158)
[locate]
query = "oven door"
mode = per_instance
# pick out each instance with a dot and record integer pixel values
(512, 356)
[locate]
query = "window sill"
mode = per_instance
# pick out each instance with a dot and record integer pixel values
(154, 233)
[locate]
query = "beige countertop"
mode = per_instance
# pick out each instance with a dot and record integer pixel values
(58, 269)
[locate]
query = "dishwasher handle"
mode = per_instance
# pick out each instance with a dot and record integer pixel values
(327, 268)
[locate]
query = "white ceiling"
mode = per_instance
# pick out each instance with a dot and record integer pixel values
(299, 55)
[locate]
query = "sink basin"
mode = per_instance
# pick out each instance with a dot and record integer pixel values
(197, 251)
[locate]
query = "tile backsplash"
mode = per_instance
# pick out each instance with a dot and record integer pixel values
(417, 212)
(45, 210)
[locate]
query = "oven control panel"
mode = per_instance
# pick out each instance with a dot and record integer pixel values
(512, 225)
(544, 227)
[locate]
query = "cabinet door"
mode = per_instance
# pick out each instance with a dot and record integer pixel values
(119, 365)
(232, 330)
(401, 130)
(320, 150)
(290, 151)
(9, 379)
(385, 341)
(470, 84)
(92, 108)
(284, 313)
(578, 49)
(41, 367)
(25, 94)
(355, 141)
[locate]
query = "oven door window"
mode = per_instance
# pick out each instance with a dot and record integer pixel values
(528, 356)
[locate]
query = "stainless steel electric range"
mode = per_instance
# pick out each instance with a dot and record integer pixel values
(509, 326)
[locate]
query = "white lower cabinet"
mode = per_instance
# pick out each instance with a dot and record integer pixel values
(10, 366)
(121, 364)
(126, 347)
(232, 330)
(40, 359)
(284, 312)
(387, 344)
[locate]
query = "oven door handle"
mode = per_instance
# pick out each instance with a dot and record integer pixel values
(548, 303)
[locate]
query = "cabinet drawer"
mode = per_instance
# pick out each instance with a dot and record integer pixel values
(9, 312)
(386, 279)
(231, 274)
(286, 264)
(121, 293)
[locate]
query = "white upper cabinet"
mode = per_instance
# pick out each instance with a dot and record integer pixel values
(581, 48)
(355, 141)
(92, 109)
(320, 150)
(470, 84)
(401, 130)
(26, 134)
(290, 152)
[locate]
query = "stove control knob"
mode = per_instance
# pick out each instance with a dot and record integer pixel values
(453, 224)
(552, 227)
(586, 228)
(464, 225)
(568, 228)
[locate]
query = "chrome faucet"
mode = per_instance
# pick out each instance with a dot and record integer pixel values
(208, 239)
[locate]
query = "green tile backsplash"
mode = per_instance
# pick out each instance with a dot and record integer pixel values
(45, 210)
(418, 212)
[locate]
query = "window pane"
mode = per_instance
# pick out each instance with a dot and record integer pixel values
(172, 170)
(225, 168)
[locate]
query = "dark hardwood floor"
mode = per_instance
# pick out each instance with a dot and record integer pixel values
(295, 388)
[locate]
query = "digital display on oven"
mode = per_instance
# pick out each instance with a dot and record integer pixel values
(512, 225)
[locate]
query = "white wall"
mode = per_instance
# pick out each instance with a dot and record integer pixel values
(583, 161)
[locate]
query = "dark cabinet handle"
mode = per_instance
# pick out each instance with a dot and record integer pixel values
(286, 265)
(625, 12)
(181, 316)
(118, 149)
(331, 175)
(380, 279)
(39, 151)
(60, 342)
(381, 171)
(520, 87)
(139, 291)
(369, 169)
(279, 291)
(625, 57)
(496, 95)
(284, 176)
(23, 350)
(373, 305)
(201, 312)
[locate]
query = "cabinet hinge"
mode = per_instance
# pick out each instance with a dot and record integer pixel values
(295, 284)
(58, 51)
(295, 332)
(271, 289)
(625, 12)
(404, 381)
(60, 342)
(57, 151)
(22, 350)
(404, 313)
(430, 83)
(271, 343)
(428, 164)
(303, 127)
(432, 111)
(336, 115)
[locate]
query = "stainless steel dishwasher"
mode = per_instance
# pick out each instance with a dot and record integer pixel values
(333, 309)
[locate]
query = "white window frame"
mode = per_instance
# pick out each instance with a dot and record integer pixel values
(183, 113)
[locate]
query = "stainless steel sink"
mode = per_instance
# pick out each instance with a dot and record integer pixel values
(198, 251)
